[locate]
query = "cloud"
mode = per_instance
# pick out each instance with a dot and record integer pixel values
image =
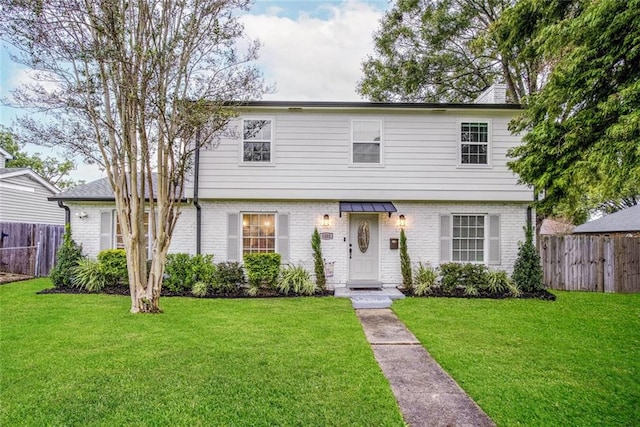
(309, 58)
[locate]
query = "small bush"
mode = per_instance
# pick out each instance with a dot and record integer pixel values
(229, 277)
(68, 256)
(527, 271)
(89, 274)
(262, 269)
(318, 261)
(114, 265)
(295, 279)
(182, 271)
(425, 280)
(200, 289)
(405, 264)
(497, 281)
(463, 275)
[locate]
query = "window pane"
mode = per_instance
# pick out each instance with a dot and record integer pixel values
(474, 138)
(257, 130)
(366, 131)
(468, 238)
(258, 233)
(366, 153)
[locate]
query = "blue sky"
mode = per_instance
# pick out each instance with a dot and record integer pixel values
(311, 50)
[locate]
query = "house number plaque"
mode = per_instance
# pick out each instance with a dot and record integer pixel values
(326, 236)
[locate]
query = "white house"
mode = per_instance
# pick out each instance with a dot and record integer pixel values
(24, 196)
(356, 171)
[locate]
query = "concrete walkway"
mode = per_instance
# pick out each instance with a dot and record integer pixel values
(426, 394)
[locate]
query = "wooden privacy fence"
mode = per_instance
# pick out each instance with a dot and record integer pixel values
(29, 249)
(591, 263)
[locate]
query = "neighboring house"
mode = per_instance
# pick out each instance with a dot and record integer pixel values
(356, 171)
(24, 196)
(626, 221)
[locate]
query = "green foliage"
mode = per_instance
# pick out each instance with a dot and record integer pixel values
(583, 127)
(53, 170)
(443, 51)
(497, 281)
(200, 289)
(296, 280)
(318, 260)
(463, 275)
(262, 269)
(114, 265)
(527, 270)
(228, 278)
(68, 256)
(182, 271)
(425, 280)
(90, 274)
(405, 263)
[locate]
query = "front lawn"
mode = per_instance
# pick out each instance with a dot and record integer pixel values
(84, 360)
(571, 362)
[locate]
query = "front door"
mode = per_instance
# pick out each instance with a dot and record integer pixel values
(363, 247)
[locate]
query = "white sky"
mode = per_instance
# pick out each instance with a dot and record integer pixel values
(311, 51)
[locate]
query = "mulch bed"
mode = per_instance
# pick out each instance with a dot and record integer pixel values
(11, 277)
(123, 290)
(459, 293)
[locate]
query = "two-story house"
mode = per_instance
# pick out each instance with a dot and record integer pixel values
(356, 171)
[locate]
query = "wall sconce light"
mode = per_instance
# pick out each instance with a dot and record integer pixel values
(325, 220)
(82, 214)
(402, 221)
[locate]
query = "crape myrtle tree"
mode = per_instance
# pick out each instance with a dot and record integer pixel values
(129, 84)
(447, 51)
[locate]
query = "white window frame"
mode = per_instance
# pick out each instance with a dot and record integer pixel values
(380, 143)
(489, 124)
(272, 144)
(485, 238)
(241, 231)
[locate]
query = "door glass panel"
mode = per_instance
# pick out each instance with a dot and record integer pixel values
(364, 236)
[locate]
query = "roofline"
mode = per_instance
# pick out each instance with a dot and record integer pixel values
(5, 154)
(97, 199)
(377, 105)
(33, 175)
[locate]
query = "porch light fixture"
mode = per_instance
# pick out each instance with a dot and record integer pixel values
(402, 221)
(325, 220)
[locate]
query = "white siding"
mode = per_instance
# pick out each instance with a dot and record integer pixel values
(23, 199)
(312, 157)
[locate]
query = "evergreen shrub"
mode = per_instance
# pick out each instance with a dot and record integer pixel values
(68, 256)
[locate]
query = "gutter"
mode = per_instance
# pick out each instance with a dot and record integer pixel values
(67, 213)
(196, 173)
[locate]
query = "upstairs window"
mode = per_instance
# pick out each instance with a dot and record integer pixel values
(257, 141)
(366, 141)
(474, 143)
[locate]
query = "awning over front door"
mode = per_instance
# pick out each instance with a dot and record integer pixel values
(360, 207)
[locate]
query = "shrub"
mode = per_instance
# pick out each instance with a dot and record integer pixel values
(497, 281)
(229, 277)
(262, 269)
(425, 280)
(68, 256)
(89, 274)
(318, 261)
(295, 279)
(114, 265)
(182, 271)
(200, 289)
(527, 271)
(463, 275)
(405, 264)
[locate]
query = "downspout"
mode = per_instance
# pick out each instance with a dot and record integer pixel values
(196, 173)
(67, 213)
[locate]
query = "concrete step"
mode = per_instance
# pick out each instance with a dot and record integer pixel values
(371, 302)
(391, 293)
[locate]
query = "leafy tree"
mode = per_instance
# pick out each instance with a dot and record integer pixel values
(446, 51)
(53, 170)
(135, 86)
(582, 145)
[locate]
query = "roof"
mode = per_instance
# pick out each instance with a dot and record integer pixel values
(94, 191)
(6, 173)
(5, 154)
(298, 105)
(626, 220)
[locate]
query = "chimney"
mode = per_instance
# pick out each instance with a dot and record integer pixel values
(494, 94)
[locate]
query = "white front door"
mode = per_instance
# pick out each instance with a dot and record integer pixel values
(363, 247)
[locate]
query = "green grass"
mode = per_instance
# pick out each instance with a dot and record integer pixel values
(84, 360)
(571, 362)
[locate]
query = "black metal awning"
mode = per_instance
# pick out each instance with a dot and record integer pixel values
(379, 207)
